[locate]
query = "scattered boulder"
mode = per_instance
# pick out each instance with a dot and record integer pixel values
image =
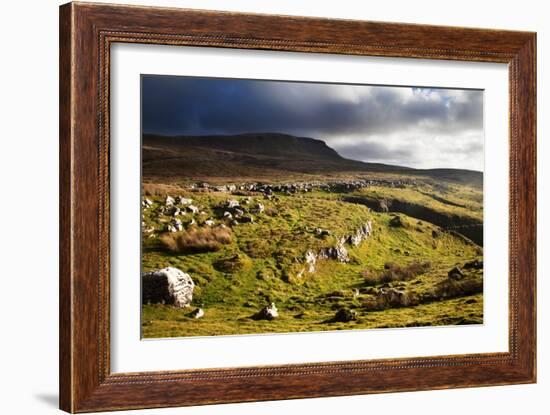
(178, 212)
(169, 201)
(227, 215)
(183, 200)
(193, 209)
(197, 313)
(322, 232)
(147, 203)
(177, 224)
(475, 264)
(345, 315)
(269, 312)
(455, 274)
(209, 222)
(168, 286)
(232, 203)
(396, 222)
(247, 219)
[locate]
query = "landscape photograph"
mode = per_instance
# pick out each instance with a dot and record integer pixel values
(274, 206)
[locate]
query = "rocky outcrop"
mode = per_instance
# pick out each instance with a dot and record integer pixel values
(362, 233)
(337, 252)
(167, 286)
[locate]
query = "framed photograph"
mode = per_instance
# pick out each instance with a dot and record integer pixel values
(259, 207)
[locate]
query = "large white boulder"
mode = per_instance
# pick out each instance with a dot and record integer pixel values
(168, 286)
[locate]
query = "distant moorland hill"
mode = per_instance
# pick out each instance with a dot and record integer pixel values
(264, 154)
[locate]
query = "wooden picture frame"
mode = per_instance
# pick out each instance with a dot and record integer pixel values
(86, 33)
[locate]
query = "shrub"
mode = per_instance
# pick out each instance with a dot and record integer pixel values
(393, 272)
(197, 240)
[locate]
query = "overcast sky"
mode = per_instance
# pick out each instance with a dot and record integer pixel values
(407, 126)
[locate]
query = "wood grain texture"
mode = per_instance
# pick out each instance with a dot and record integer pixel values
(86, 33)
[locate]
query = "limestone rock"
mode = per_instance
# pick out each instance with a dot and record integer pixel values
(311, 259)
(168, 286)
(197, 313)
(183, 201)
(147, 203)
(193, 209)
(232, 203)
(269, 312)
(338, 252)
(361, 234)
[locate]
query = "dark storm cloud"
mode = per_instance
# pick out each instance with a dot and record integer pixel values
(370, 123)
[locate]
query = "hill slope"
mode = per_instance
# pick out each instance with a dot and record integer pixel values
(261, 156)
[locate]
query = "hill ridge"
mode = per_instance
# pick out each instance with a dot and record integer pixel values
(271, 150)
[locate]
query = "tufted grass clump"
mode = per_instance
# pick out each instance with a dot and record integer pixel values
(197, 240)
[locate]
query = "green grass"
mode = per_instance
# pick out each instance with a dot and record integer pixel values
(262, 264)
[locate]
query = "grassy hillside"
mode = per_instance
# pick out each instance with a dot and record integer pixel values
(397, 276)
